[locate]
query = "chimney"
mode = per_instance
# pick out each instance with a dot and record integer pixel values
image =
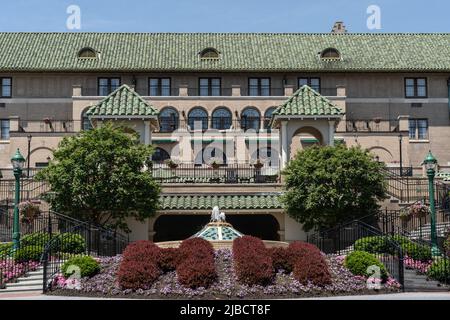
(339, 27)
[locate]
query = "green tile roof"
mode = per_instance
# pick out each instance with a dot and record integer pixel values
(309, 103)
(225, 202)
(123, 102)
(238, 52)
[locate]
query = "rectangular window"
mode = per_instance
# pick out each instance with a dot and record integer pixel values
(418, 129)
(4, 129)
(107, 85)
(210, 87)
(313, 83)
(159, 87)
(259, 86)
(416, 87)
(6, 87)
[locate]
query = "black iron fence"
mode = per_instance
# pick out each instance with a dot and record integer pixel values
(227, 173)
(371, 125)
(91, 240)
(30, 189)
(343, 239)
(67, 236)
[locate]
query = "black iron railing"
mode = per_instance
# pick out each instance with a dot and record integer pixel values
(370, 125)
(96, 241)
(342, 238)
(227, 173)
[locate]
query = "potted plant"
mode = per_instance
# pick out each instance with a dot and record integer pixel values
(258, 164)
(171, 164)
(215, 163)
(419, 210)
(404, 216)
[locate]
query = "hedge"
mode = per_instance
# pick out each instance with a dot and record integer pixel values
(29, 253)
(281, 260)
(440, 270)
(252, 264)
(139, 267)
(169, 258)
(88, 266)
(196, 265)
(358, 263)
(311, 267)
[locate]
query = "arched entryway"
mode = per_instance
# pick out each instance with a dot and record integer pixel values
(305, 137)
(180, 227)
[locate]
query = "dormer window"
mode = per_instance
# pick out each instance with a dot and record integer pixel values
(330, 54)
(209, 54)
(87, 53)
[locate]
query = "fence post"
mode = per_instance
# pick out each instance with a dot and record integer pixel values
(44, 278)
(89, 238)
(49, 227)
(115, 243)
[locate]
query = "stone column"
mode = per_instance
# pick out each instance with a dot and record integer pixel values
(183, 90)
(284, 144)
(331, 133)
(288, 90)
(147, 133)
(235, 90)
(76, 90)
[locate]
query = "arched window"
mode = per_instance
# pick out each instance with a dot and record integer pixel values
(87, 53)
(209, 54)
(207, 154)
(250, 119)
(330, 54)
(268, 117)
(85, 121)
(160, 155)
(221, 119)
(168, 120)
(198, 118)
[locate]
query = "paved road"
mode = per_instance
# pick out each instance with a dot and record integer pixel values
(397, 296)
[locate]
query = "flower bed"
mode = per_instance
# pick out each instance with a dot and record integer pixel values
(226, 285)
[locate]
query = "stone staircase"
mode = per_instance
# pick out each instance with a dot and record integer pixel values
(415, 282)
(31, 282)
(441, 229)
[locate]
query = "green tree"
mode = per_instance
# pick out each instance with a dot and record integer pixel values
(98, 176)
(328, 185)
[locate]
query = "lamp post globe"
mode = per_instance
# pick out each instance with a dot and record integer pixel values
(17, 162)
(430, 163)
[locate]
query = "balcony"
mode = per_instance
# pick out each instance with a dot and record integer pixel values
(188, 91)
(190, 173)
(46, 126)
(218, 124)
(376, 125)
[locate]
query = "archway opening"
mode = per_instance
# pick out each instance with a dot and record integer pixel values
(180, 227)
(305, 137)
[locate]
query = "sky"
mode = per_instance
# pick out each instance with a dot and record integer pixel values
(224, 15)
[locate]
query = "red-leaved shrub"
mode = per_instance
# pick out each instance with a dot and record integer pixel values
(252, 263)
(195, 273)
(139, 268)
(280, 259)
(196, 267)
(168, 259)
(308, 264)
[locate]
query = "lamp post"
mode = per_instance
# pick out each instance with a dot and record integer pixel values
(17, 162)
(430, 163)
(28, 154)
(400, 138)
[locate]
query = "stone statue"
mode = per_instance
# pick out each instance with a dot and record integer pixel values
(215, 215)
(222, 217)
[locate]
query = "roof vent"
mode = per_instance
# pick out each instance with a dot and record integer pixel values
(339, 27)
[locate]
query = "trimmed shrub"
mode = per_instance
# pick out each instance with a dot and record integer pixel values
(88, 266)
(195, 247)
(298, 249)
(312, 267)
(71, 243)
(139, 267)
(252, 264)
(29, 253)
(359, 261)
(168, 259)
(196, 266)
(195, 273)
(413, 250)
(440, 270)
(6, 246)
(137, 275)
(375, 244)
(280, 259)
(35, 239)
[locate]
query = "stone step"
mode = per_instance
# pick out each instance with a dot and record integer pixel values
(32, 277)
(22, 283)
(31, 288)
